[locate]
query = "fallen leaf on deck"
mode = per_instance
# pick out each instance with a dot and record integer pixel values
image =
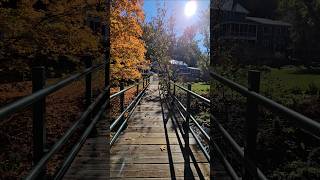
(163, 148)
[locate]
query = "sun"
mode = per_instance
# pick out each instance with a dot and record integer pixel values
(190, 8)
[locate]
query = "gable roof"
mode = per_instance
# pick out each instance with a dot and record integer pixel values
(268, 21)
(234, 6)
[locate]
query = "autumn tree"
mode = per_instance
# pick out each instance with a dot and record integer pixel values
(32, 31)
(127, 48)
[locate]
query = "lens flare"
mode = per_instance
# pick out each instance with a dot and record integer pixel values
(190, 8)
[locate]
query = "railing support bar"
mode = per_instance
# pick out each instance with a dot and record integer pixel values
(39, 124)
(88, 62)
(122, 103)
(137, 89)
(251, 127)
(143, 82)
(186, 133)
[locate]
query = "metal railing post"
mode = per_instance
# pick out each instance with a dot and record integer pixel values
(188, 115)
(88, 90)
(143, 82)
(173, 94)
(39, 124)
(122, 102)
(174, 88)
(137, 88)
(107, 47)
(251, 127)
(186, 133)
(88, 62)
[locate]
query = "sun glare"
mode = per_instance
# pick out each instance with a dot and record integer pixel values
(190, 8)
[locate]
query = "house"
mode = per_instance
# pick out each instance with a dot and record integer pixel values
(235, 24)
(194, 72)
(181, 69)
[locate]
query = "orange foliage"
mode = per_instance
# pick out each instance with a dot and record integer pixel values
(127, 48)
(57, 28)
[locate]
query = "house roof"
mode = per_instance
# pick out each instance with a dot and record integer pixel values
(178, 62)
(268, 21)
(231, 5)
(194, 68)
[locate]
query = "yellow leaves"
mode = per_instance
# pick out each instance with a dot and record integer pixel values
(163, 148)
(127, 48)
(58, 30)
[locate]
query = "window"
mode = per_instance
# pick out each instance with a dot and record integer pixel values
(228, 28)
(233, 28)
(224, 28)
(237, 28)
(266, 30)
(242, 26)
(246, 28)
(278, 30)
(252, 29)
(284, 30)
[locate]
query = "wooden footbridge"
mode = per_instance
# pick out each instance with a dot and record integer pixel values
(150, 147)
(152, 137)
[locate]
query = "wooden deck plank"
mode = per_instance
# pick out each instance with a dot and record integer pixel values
(150, 148)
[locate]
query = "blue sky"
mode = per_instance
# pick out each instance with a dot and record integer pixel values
(176, 7)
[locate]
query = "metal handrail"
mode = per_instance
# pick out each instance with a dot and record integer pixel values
(307, 123)
(224, 133)
(57, 146)
(203, 99)
(133, 103)
(193, 119)
(34, 97)
(43, 93)
(224, 160)
(113, 125)
(76, 148)
(220, 127)
(236, 146)
(123, 91)
(193, 134)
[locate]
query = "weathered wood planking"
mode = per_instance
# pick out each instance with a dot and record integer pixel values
(149, 147)
(92, 160)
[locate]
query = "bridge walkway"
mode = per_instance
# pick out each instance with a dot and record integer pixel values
(151, 147)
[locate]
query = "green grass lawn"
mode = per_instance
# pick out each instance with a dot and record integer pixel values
(283, 79)
(200, 87)
(291, 77)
